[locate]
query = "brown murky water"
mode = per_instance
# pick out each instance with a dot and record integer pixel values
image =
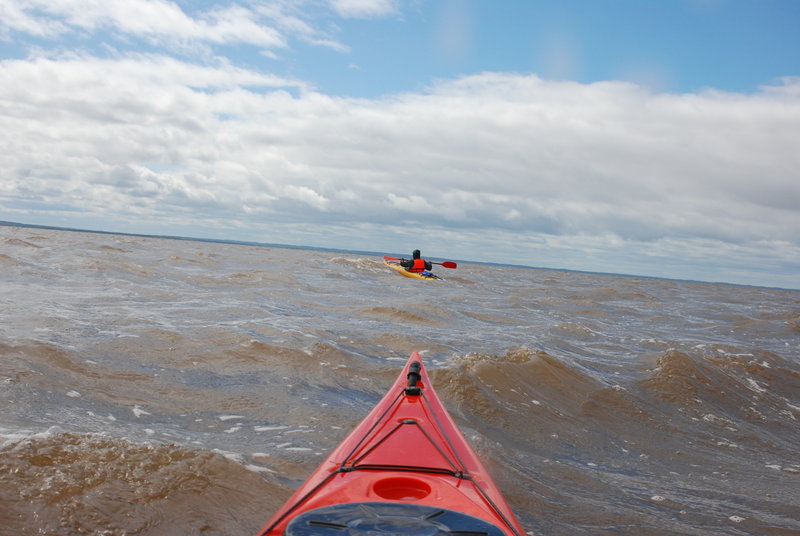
(152, 386)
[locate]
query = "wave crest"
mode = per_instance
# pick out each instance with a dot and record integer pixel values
(67, 483)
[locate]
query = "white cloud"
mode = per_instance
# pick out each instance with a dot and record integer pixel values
(13, 16)
(413, 204)
(268, 25)
(306, 195)
(363, 9)
(602, 176)
(146, 18)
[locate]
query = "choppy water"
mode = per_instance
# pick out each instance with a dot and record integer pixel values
(152, 386)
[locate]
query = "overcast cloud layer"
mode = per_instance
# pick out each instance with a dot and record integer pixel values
(499, 167)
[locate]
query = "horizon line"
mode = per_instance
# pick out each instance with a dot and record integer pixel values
(372, 253)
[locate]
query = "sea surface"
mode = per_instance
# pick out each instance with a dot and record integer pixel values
(153, 386)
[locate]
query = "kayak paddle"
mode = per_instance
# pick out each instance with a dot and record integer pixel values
(446, 264)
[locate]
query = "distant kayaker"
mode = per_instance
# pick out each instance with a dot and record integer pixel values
(416, 264)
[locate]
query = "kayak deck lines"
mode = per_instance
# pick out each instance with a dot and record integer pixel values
(405, 469)
(356, 466)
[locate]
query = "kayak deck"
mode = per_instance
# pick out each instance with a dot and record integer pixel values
(405, 469)
(395, 265)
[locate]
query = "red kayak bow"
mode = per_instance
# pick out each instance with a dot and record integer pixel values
(406, 469)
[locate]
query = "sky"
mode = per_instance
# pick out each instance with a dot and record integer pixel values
(655, 138)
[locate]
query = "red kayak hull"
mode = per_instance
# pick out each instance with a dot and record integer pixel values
(406, 463)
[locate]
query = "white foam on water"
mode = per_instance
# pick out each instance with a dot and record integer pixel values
(270, 428)
(258, 469)
(755, 386)
(233, 456)
(10, 437)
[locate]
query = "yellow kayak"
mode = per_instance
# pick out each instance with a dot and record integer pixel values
(394, 265)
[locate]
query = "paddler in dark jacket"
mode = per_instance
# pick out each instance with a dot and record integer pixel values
(417, 264)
